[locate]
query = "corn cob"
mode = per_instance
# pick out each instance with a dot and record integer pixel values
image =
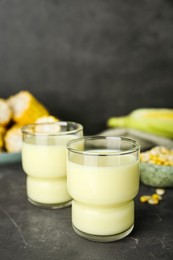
(45, 125)
(26, 108)
(13, 139)
(2, 133)
(155, 121)
(47, 119)
(5, 112)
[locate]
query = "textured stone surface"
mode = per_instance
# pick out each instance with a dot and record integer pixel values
(29, 233)
(88, 60)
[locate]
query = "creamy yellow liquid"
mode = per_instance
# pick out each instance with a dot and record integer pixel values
(102, 220)
(45, 166)
(103, 189)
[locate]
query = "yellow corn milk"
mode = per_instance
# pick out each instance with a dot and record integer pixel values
(103, 188)
(45, 166)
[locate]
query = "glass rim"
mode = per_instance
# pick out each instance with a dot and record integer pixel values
(113, 153)
(25, 129)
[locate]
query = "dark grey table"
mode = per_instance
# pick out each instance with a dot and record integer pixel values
(27, 232)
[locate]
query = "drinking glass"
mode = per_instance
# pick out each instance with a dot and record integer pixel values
(44, 162)
(103, 180)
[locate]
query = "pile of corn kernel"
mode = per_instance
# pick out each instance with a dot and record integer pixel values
(158, 155)
(153, 199)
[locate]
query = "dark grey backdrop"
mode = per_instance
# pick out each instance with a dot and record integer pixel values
(88, 60)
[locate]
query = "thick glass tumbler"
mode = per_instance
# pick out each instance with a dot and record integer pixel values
(103, 179)
(44, 155)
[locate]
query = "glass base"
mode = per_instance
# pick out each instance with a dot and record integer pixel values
(50, 206)
(105, 238)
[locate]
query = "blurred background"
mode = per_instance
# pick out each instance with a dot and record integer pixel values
(88, 60)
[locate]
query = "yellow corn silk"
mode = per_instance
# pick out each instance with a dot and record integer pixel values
(159, 155)
(26, 108)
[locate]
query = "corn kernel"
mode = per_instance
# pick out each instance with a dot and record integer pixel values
(153, 201)
(158, 155)
(160, 192)
(156, 196)
(145, 198)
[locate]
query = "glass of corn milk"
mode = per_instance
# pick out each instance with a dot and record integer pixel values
(103, 179)
(44, 155)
